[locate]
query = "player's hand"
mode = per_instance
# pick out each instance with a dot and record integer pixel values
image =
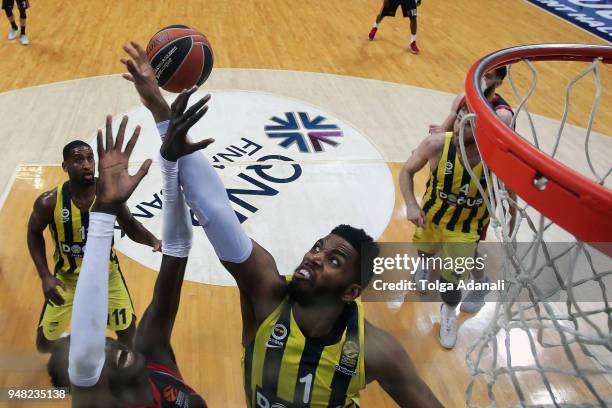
(436, 129)
(141, 74)
(115, 185)
(157, 246)
(49, 285)
(176, 144)
(415, 215)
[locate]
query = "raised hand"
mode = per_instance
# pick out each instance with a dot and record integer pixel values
(115, 185)
(141, 74)
(176, 144)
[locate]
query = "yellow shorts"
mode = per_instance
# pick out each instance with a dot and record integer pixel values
(450, 244)
(55, 320)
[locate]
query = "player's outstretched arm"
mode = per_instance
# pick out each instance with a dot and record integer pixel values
(155, 329)
(251, 265)
(141, 74)
(87, 344)
(387, 362)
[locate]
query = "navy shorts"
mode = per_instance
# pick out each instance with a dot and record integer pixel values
(409, 8)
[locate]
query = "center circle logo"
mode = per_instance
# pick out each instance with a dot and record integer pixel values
(291, 170)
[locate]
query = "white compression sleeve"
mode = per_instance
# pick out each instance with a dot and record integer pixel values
(90, 307)
(207, 197)
(176, 223)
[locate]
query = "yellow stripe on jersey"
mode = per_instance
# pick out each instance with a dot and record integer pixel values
(452, 200)
(284, 367)
(69, 233)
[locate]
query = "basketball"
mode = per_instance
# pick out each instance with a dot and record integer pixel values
(181, 57)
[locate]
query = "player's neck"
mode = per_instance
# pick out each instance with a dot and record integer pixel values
(318, 320)
(82, 192)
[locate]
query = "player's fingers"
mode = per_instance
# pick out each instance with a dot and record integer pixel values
(61, 284)
(421, 222)
(100, 144)
(142, 171)
(175, 104)
(109, 133)
(129, 77)
(197, 106)
(132, 69)
(55, 297)
(120, 134)
(131, 52)
(60, 299)
(142, 54)
(193, 119)
(203, 144)
(183, 100)
(132, 142)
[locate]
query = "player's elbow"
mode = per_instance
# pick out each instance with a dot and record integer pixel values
(408, 170)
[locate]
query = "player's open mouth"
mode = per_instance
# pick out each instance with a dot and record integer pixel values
(303, 273)
(88, 176)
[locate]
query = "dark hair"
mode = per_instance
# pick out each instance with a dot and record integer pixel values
(365, 247)
(72, 145)
(57, 366)
(501, 72)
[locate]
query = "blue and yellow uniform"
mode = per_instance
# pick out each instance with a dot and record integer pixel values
(283, 368)
(69, 233)
(455, 211)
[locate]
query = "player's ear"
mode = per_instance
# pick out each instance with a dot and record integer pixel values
(65, 166)
(351, 293)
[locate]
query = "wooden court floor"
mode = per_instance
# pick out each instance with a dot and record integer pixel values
(83, 39)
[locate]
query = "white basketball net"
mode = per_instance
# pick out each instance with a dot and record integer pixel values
(550, 342)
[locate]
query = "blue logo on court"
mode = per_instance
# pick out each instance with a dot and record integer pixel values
(306, 133)
(594, 16)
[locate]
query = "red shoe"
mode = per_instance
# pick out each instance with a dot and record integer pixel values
(413, 48)
(372, 33)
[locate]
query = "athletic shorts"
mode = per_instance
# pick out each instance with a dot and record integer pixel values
(8, 4)
(447, 244)
(55, 320)
(409, 8)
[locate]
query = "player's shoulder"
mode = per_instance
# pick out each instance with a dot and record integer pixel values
(434, 142)
(46, 200)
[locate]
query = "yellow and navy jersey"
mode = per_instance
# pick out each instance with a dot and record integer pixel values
(69, 231)
(452, 199)
(283, 368)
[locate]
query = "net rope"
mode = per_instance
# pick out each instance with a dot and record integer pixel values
(567, 340)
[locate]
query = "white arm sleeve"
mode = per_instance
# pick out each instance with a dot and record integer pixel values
(176, 222)
(207, 197)
(90, 307)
